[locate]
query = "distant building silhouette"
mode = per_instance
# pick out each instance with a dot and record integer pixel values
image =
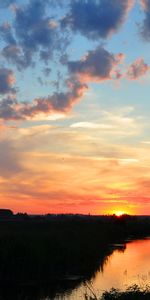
(5, 214)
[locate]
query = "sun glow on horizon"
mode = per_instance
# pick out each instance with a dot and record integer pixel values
(74, 112)
(119, 213)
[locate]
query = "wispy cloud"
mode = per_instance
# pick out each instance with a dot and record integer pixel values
(91, 125)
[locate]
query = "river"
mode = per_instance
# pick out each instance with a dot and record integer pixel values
(122, 269)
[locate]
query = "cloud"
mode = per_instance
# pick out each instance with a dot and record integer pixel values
(32, 32)
(145, 30)
(146, 142)
(91, 125)
(7, 80)
(109, 174)
(109, 124)
(14, 54)
(11, 51)
(11, 109)
(9, 159)
(137, 69)
(121, 119)
(19, 57)
(109, 180)
(47, 71)
(144, 4)
(97, 18)
(6, 33)
(96, 65)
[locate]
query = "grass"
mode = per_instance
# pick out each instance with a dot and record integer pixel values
(132, 293)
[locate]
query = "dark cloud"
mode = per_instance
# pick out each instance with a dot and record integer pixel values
(97, 65)
(30, 24)
(14, 55)
(6, 34)
(137, 69)
(146, 23)
(97, 18)
(11, 109)
(47, 71)
(58, 102)
(32, 32)
(7, 81)
(11, 51)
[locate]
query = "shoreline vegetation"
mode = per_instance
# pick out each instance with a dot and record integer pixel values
(133, 292)
(42, 256)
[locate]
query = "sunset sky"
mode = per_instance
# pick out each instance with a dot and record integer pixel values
(75, 106)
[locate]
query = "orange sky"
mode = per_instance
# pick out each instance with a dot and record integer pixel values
(74, 106)
(79, 172)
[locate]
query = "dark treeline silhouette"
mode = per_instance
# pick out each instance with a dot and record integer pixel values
(44, 255)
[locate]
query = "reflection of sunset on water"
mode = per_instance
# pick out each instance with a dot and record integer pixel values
(75, 142)
(122, 269)
(126, 268)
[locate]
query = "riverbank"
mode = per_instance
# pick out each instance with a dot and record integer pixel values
(132, 293)
(56, 254)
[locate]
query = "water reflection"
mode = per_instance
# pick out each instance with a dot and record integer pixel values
(70, 287)
(130, 267)
(122, 266)
(126, 268)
